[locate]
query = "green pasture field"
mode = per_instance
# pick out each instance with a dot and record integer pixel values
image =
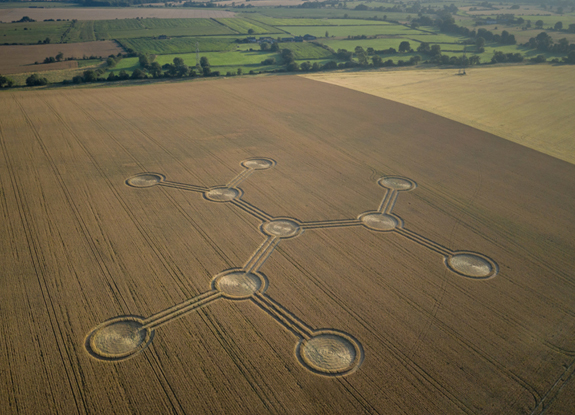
(243, 25)
(303, 50)
(88, 62)
(323, 13)
(222, 58)
(377, 44)
(306, 50)
(179, 45)
(15, 33)
(344, 31)
(130, 28)
(315, 22)
(81, 31)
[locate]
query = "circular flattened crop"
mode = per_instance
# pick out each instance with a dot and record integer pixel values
(145, 180)
(222, 194)
(330, 353)
(118, 339)
(472, 265)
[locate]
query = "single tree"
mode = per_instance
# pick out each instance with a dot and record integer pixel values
(264, 46)
(180, 62)
(539, 24)
(558, 26)
(404, 46)
(60, 56)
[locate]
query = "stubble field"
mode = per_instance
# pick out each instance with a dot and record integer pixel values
(452, 292)
(530, 105)
(20, 59)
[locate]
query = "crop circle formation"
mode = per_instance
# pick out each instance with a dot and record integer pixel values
(330, 353)
(118, 339)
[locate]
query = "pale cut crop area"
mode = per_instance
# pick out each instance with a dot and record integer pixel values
(530, 105)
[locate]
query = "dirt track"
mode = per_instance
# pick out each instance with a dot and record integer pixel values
(80, 247)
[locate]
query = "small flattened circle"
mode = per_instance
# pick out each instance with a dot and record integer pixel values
(281, 228)
(222, 194)
(396, 183)
(330, 353)
(238, 284)
(118, 339)
(145, 180)
(258, 164)
(379, 221)
(472, 265)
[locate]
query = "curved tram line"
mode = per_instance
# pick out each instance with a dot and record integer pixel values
(327, 352)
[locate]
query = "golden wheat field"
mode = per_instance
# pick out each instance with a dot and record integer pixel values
(530, 105)
(277, 245)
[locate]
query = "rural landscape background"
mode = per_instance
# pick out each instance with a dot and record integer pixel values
(279, 206)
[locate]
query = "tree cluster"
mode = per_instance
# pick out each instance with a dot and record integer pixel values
(545, 43)
(35, 79)
(5, 82)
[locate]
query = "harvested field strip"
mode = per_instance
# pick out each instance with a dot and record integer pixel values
(495, 92)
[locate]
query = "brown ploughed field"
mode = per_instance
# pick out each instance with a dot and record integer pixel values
(277, 245)
(101, 13)
(21, 58)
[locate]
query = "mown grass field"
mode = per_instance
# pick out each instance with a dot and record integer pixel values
(79, 247)
(530, 105)
(315, 22)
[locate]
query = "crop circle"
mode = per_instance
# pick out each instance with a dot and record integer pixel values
(283, 228)
(222, 194)
(397, 183)
(118, 339)
(330, 353)
(239, 285)
(472, 265)
(145, 180)
(258, 164)
(379, 221)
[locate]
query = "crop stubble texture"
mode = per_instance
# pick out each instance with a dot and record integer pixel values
(79, 247)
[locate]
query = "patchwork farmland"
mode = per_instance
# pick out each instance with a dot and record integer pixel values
(277, 245)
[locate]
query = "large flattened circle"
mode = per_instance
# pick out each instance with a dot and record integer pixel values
(238, 284)
(281, 228)
(472, 265)
(145, 180)
(258, 163)
(397, 183)
(222, 194)
(379, 221)
(330, 353)
(118, 339)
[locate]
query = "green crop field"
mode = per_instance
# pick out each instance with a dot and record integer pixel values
(29, 33)
(344, 31)
(315, 22)
(130, 28)
(178, 45)
(242, 26)
(306, 50)
(377, 44)
(325, 13)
